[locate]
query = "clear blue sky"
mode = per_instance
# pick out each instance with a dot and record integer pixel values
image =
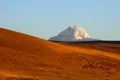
(46, 18)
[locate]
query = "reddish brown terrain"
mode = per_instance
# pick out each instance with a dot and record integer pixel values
(24, 57)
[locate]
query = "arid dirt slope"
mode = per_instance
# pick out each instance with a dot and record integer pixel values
(24, 57)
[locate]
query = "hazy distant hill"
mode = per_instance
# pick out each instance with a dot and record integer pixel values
(25, 57)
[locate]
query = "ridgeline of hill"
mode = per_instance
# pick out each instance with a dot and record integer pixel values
(25, 57)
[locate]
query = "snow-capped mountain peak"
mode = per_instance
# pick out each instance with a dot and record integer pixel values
(72, 33)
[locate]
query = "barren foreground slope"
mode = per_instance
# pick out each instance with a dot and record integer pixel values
(24, 57)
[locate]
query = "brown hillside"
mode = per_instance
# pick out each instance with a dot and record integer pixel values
(24, 57)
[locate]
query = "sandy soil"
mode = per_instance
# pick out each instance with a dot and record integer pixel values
(25, 57)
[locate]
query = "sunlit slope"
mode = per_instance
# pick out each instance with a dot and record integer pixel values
(26, 57)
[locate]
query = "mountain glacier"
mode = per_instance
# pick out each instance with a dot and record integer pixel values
(71, 34)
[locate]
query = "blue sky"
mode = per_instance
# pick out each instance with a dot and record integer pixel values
(46, 18)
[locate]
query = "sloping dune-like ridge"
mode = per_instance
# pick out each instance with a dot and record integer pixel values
(25, 57)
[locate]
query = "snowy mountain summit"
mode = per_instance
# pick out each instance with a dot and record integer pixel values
(71, 34)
